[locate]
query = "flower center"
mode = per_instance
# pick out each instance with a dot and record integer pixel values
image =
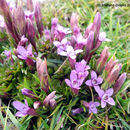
(92, 106)
(80, 75)
(105, 97)
(74, 83)
(94, 81)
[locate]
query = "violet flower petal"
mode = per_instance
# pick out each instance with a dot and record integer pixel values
(103, 104)
(110, 101)
(89, 83)
(93, 75)
(68, 82)
(20, 114)
(109, 92)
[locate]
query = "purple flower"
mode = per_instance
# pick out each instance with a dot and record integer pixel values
(76, 111)
(74, 82)
(23, 53)
(69, 52)
(80, 41)
(62, 32)
(23, 109)
(105, 97)
(94, 81)
(28, 93)
(92, 106)
(82, 70)
(61, 44)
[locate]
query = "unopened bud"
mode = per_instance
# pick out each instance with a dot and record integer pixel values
(113, 75)
(118, 84)
(38, 18)
(89, 28)
(97, 25)
(28, 93)
(51, 96)
(73, 21)
(102, 60)
(42, 73)
(36, 104)
(89, 45)
(111, 63)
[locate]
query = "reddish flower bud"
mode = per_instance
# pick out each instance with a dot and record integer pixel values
(19, 20)
(36, 104)
(73, 21)
(97, 25)
(30, 5)
(54, 22)
(52, 103)
(113, 75)
(43, 73)
(87, 31)
(28, 93)
(89, 45)
(31, 32)
(111, 63)
(102, 60)
(38, 18)
(10, 26)
(49, 98)
(118, 84)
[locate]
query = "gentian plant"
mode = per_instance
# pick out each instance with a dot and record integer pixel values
(60, 76)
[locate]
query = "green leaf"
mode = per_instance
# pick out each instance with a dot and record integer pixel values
(15, 121)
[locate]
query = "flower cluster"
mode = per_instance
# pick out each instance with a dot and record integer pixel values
(77, 45)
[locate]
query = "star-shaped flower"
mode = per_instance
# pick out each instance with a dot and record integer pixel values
(94, 81)
(106, 97)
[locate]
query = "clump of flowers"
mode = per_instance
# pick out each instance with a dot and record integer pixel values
(82, 89)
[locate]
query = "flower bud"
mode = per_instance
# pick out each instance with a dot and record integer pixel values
(54, 22)
(38, 18)
(30, 5)
(77, 111)
(111, 63)
(87, 31)
(51, 96)
(118, 84)
(97, 25)
(113, 75)
(36, 104)
(10, 26)
(43, 73)
(102, 60)
(31, 32)
(28, 93)
(19, 20)
(52, 103)
(73, 21)
(89, 45)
